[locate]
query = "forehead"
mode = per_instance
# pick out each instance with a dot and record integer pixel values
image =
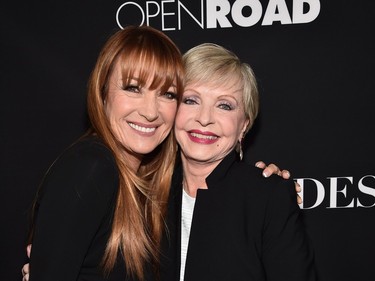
(150, 76)
(215, 90)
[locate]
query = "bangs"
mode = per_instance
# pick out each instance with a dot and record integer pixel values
(216, 75)
(213, 65)
(152, 64)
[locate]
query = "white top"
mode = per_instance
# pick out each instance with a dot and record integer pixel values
(187, 210)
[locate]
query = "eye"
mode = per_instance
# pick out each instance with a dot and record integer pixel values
(131, 88)
(225, 106)
(170, 95)
(189, 100)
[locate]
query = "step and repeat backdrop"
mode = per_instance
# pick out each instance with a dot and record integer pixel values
(314, 61)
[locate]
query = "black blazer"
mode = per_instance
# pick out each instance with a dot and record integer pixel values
(245, 227)
(75, 207)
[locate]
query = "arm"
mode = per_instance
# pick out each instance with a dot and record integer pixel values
(287, 253)
(76, 196)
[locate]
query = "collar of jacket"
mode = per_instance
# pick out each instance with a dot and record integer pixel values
(217, 175)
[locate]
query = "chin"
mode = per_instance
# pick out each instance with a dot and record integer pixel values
(146, 149)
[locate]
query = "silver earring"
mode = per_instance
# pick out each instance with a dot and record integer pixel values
(239, 149)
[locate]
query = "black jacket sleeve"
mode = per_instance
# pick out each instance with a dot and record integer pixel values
(286, 249)
(76, 195)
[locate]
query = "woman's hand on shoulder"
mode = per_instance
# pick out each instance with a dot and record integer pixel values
(273, 169)
(26, 267)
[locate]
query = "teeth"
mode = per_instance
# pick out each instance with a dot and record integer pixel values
(142, 129)
(203, 136)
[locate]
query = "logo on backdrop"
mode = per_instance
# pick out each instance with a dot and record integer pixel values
(209, 14)
(338, 192)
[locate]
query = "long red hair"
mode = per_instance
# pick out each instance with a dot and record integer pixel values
(142, 196)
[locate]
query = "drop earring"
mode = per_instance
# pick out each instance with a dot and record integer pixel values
(239, 149)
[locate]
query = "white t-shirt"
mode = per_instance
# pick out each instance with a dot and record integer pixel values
(187, 210)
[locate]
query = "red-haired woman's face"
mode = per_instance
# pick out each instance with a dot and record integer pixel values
(140, 118)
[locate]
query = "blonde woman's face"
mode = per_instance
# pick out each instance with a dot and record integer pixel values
(139, 117)
(209, 122)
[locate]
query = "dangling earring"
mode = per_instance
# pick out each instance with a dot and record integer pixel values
(239, 149)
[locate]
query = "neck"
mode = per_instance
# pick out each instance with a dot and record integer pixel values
(195, 174)
(133, 160)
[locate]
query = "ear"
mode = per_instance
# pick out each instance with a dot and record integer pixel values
(243, 131)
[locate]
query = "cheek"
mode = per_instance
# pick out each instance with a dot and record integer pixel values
(180, 119)
(179, 124)
(232, 128)
(168, 112)
(181, 116)
(241, 128)
(108, 110)
(111, 106)
(118, 107)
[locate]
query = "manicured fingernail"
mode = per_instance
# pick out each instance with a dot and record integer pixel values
(257, 164)
(265, 175)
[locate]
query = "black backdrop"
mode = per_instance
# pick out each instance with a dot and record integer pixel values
(317, 105)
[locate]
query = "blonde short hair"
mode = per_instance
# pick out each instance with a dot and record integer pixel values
(212, 64)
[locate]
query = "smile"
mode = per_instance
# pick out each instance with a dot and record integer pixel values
(142, 129)
(205, 137)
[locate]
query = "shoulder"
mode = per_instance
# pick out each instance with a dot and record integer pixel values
(274, 195)
(87, 153)
(85, 165)
(250, 177)
(247, 173)
(88, 148)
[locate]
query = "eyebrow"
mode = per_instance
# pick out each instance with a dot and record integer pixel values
(230, 97)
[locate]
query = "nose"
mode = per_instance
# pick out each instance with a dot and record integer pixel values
(205, 116)
(149, 108)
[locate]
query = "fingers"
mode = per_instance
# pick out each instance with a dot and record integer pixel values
(271, 169)
(260, 164)
(28, 250)
(267, 171)
(25, 272)
(297, 187)
(26, 268)
(285, 174)
(299, 199)
(25, 277)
